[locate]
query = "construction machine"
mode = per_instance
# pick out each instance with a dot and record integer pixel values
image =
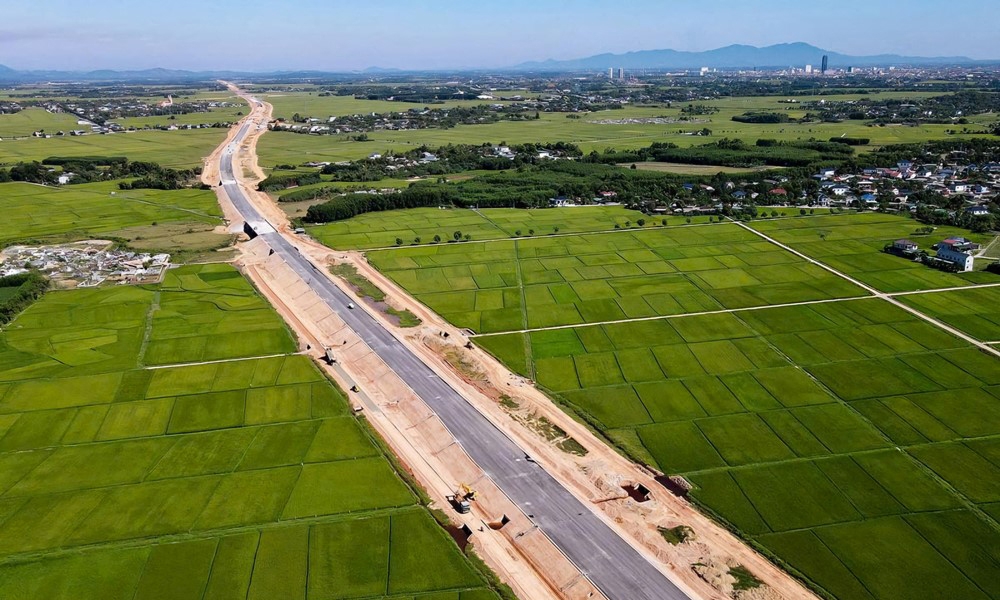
(462, 497)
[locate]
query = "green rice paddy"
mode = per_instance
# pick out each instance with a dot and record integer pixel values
(589, 132)
(248, 477)
(815, 430)
(576, 279)
(380, 230)
(154, 219)
(848, 438)
(183, 149)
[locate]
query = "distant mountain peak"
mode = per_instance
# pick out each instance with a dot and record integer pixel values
(735, 56)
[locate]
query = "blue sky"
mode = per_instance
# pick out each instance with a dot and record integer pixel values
(260, 35)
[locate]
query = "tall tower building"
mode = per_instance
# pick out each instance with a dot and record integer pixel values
(809, 69)
(826, 64)
(621, 73)
(611, 72)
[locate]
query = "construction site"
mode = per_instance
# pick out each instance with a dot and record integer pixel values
(649, 513)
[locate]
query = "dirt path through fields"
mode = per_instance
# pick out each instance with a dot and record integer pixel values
(879, 294)
(521, 555)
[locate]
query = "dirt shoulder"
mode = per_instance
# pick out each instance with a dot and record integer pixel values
(598, 475)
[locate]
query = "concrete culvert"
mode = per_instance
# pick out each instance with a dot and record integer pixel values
(498, 525)
(461, 535)
(637, 492)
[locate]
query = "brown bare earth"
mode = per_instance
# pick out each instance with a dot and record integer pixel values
(519, 553)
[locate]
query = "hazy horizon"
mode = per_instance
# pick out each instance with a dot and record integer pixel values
(253, 35)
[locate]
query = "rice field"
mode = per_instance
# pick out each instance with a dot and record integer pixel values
(249, 477)
(852, 244)
(594, 131)
(381, 230)
(498, 286)
(147, 218)
(819, 431)
(184, 149)
(848, 438)
(30, 120)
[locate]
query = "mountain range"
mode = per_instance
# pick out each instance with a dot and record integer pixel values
(739, 56)
(736, 56)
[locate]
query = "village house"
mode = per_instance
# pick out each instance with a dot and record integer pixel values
(957, 251)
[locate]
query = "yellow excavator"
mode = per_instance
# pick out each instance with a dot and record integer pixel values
(462, 497)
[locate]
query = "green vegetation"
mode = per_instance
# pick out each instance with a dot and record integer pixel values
(148, 219)
(30, 120)
(173, 149)
(849, 438)
(588, 132)
(675, 535)
(852, 244)
(361, 284)
(972, 311)
(246, 476)
(568, 280)
(380, 230)
(17, 292)
(787, 422)
(745, 580)
(367, 289)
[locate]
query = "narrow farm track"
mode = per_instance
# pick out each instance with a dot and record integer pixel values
(221, 361)
(608, 560)
(739, 310)
(878, 294)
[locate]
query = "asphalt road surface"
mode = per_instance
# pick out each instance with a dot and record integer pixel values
(614, 566)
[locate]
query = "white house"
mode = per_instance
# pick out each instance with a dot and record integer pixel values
(946, 251)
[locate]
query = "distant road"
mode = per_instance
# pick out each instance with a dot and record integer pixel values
(614, 566)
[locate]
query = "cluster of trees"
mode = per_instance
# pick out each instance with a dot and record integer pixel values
(698, 109)
(30, 172)
(762, 117)
(345, 207)
(946, 109)
(735, 153)
(30, 286)
(427, 118)
(530, 187)
(976, 151)
(282, 181)
(87, 169)
(453, 158)
(851, 141)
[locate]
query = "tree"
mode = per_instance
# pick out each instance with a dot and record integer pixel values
(688, 220)
(399, 241)
(416, 240)
(802, 211)
(774, 213)
(437, 238)
(468, 237)
(555, 230)
(641, 222)
(663, 222)
(457, 235)
(628, 223)
(517, 233)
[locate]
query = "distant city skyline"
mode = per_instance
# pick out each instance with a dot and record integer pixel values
(254, 35)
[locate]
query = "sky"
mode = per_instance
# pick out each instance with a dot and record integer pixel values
(345, 35)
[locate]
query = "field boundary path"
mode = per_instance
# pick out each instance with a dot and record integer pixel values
(878, 294)
(613, 564)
